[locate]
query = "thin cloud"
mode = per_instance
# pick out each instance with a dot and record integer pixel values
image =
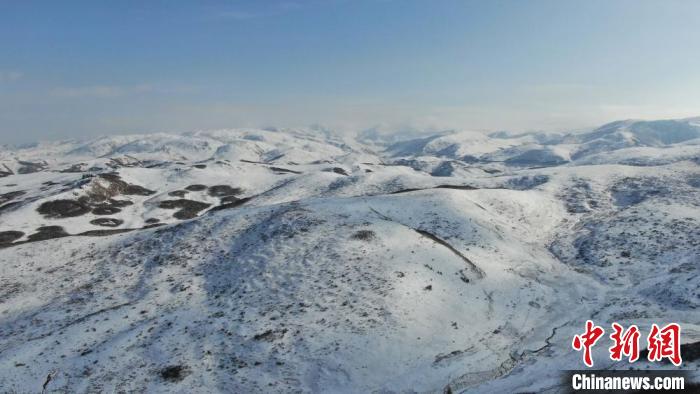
(10, 76)
(269, 10)
(100, 91)
(238, 15)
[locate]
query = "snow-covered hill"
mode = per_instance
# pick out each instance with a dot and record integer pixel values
(299, 260)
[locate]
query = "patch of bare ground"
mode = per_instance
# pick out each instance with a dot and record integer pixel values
(364, 235)
(174, 373)
(58, 209)
(5, 171)
(11, 196)
(229, 202)
(78, 167)
(28, 167)
(337, 170)
(178, 193)
(103, 233)
(107, 222)
(280, 170)
(116, 186)
(47, 232)
(7, 237)
(98, 199)
(196, 188)
(224, 190)
(105, 210)
(187, 209)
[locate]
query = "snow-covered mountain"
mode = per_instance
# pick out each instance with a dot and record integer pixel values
(300, 260)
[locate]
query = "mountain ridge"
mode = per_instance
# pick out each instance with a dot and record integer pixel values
(296, 260)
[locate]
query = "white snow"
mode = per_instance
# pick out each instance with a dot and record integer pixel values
(350, 266)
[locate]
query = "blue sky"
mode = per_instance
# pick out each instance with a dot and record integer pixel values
(86, 68)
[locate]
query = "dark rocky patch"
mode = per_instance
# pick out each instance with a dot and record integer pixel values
(442, 357)
(136, 190)
(152, 220)
(462, 276)
(536, 157)
(280, 170)
(107, 222)
(11, 196)
(14, 204)
(275, 157)
(178, 193)
(126, 161)
(694, 181)
(234, 202)
(449, 151)
(527, 182)
(5, 172)
(48, 232)
(57, 209)
(270, 335)
(28, 167)
(157, 164)
(200, 166)
(337, 170)
(153, 225)
(104, 233)
(224, 190)
(229, 199)
(79, 167)
(364, 235)
(251, 161)
(7, 291)
(418, 165)
(7, 237)
(196, 188)
(469, 159)
(456, 187)
(580, 198)
(412, 189)
(187, 209)
(119, 186)
(47, 185)
(633, 191)
(173, 373)
(445, 169)
(105, 210)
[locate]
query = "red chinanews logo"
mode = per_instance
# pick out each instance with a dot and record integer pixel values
(662, 343)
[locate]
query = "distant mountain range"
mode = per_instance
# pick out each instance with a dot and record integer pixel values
(301, 260)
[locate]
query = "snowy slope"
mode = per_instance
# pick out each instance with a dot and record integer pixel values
(298, 260)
